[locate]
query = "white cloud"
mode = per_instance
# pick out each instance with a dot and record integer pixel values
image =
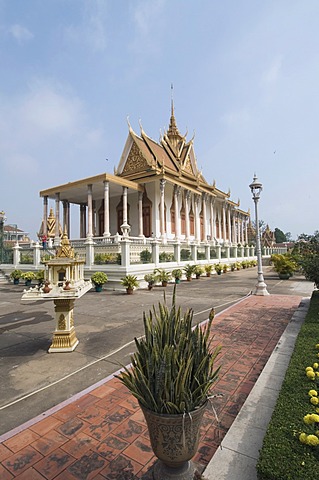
(272, 74)
(46, 110)
(20, 33)
(93, 29)
(145, 14)
(236, 117)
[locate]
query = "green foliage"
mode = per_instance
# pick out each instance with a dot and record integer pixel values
(40, 276)
(105, 258)
(198, 270)
(16, 274)
(166, 257)
(99, 278)
(173, 367)
(212, 253)
(185, 254)
(146, 256)
(189, 270)
(225, 267)
(208, 268)
(280, 237)
(201, 256)
(177, 273)
(283, 263)
(306, 254)
(218, 268)
(130, 281)
(28, 276)
(283, 457)
(26, 259)
(162, 275)
(150, 278)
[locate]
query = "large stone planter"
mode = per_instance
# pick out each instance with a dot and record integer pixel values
(174, 440)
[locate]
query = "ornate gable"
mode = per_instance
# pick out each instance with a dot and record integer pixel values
(187, 167)
(135, 161)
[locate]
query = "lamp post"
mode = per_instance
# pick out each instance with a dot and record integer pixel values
(2, 220)
(261, 288)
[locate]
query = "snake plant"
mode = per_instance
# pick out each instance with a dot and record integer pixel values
(172, 369)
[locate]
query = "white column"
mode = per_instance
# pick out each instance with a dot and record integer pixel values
(197, 220)
(246, 231)
(45, 216)
(125, 226)
(65, 215)
(204, 197)
(82, 220)
(162, 208)
(187, 225)
(229, 224)
(212, 219)
(234, 229)
(177, 191)
(140, 214)
(90, 212)
(106, 209)
(224, 221)
(57, 220)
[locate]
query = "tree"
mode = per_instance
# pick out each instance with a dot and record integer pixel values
(280, 236)
(288, 236)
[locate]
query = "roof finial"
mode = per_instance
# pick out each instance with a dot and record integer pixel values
(172, 100)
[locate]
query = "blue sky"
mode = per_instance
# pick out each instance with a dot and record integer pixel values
(245, 77)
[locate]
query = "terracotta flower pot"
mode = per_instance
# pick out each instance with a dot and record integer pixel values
(129, 291)
(164, 283)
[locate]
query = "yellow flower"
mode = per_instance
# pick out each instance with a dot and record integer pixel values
(311, 374)
(312, 440)
(303, 438)
(314, 417)
(307, 419)
(317, 346)
(314, 400)
(317, 410)
(309, 368)
(315, 365)
(317, 374)
(312, 393)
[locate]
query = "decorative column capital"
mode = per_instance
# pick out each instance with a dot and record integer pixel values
(162, 184)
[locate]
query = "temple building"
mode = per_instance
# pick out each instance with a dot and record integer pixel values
(156, 191)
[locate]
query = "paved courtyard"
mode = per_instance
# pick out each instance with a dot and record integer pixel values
(35, 381)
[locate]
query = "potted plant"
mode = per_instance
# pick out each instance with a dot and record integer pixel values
(16, 275)
(177, 273)
(28, 277)
(130, 282)
(40, 277)
(208, 269)
(283, 265)
(189, 271)
(232, 267)
(198, 270)
(171, 375)
(150, 279)
(238, 265)
(218, 268)
(163, 276)
(225, 268)
(98, 279)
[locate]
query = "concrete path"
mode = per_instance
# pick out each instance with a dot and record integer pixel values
(99, 432)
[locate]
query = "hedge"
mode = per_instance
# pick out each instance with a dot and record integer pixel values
(282, 456)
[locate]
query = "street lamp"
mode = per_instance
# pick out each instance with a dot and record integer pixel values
(2, 220)
(261, 288)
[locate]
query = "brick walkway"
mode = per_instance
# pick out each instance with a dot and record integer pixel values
(102, 434)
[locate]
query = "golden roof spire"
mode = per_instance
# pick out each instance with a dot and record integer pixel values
(172, 129)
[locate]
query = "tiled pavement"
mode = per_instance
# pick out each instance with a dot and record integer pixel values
(101, 433)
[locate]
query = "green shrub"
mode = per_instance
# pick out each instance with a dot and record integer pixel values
(26, 259)
(201, 256)
(212, 253)
(99, 278)
(146, 256)
(166, 257)
(185, 254)
(282, 456)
